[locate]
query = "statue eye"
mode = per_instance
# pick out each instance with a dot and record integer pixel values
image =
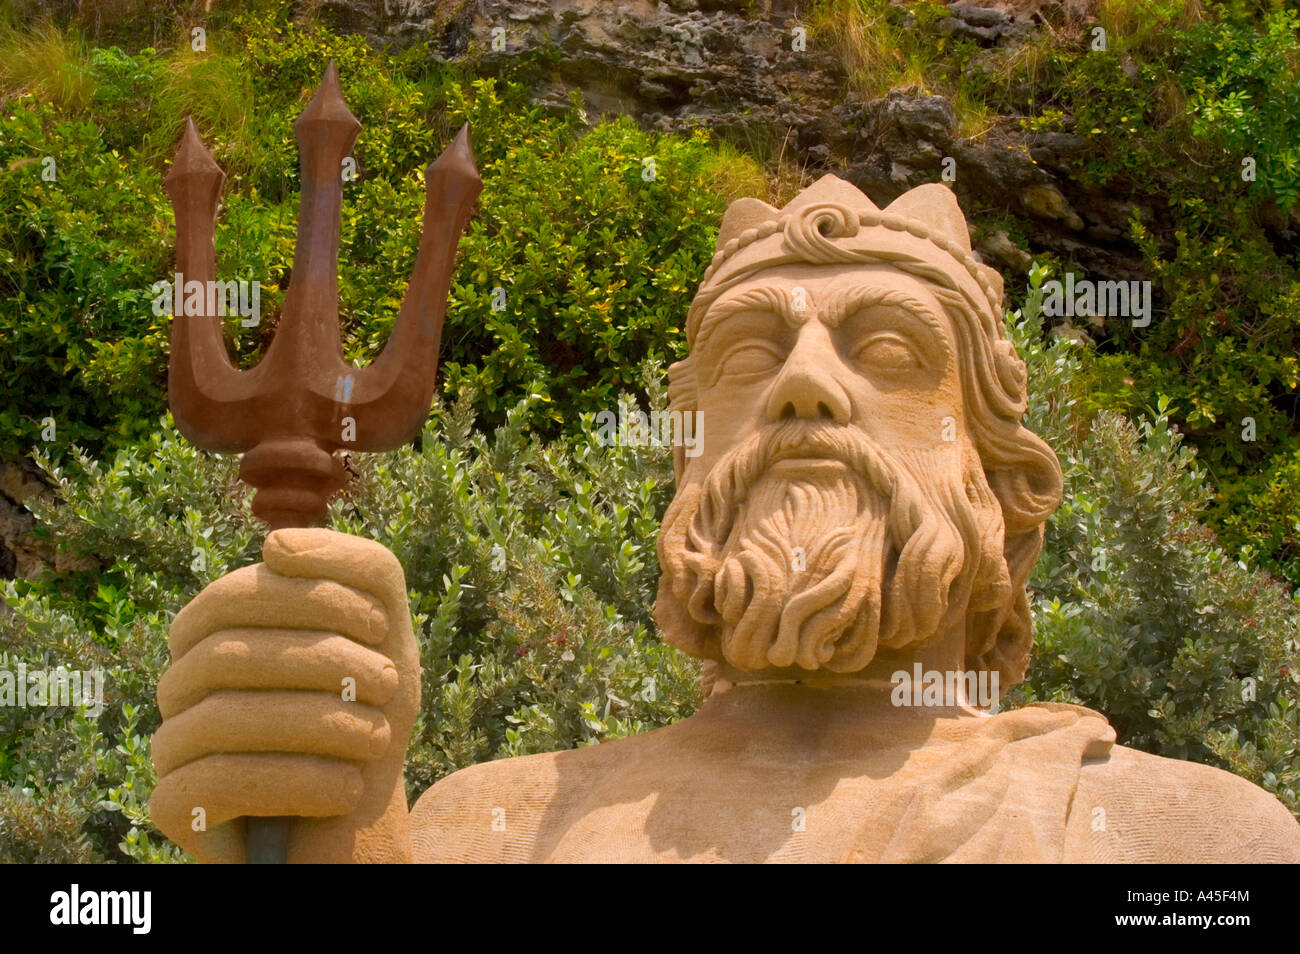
(751, 358)
(886, 351)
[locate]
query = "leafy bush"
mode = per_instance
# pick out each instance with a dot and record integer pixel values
(78, 255)
(531, 571)
(1139, 612)
(597, 276)
(76, 263)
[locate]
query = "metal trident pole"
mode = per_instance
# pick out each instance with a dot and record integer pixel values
(303, 401)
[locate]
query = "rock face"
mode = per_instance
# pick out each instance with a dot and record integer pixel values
(902, 140)
(739, 69)
(21, 554)
(671, 65)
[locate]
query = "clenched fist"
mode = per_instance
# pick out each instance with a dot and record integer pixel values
(292, 691)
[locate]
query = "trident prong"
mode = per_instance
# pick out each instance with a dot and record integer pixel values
(287, 414)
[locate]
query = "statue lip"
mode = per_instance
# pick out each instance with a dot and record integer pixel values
(808, 466)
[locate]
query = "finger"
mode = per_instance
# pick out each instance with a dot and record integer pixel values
(276, 659)
(257, 596)
(214, 790)
(310, 723)
(316, 553)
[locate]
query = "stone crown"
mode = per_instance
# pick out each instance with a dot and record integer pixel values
(832, 221)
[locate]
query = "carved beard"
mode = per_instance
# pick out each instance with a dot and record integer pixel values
(785, 557)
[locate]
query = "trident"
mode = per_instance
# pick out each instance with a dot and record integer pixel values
(303, 401)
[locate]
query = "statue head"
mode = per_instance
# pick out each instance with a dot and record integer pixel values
(864, 483)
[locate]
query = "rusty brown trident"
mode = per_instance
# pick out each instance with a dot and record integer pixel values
(290, 413)
(303, 401)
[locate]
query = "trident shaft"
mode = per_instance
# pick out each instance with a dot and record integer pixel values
(303, 401)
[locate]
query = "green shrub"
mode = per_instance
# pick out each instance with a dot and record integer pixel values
(531, 571)
(597, 275)
(78, 255)
(77, 259)
(1139, 612)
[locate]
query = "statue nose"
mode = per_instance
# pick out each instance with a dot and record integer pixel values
(807, 388)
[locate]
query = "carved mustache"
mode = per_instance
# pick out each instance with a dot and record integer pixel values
(802, 439)
(728, 483)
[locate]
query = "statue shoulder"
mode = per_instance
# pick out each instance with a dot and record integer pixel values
(505, 810)
(1132, 806)
(479, 813)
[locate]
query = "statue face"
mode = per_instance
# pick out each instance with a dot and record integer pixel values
(861, 347)
(838, 504)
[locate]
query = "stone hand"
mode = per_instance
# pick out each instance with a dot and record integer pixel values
(292, 691)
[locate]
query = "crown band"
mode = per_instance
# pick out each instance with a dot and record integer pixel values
(867, 219)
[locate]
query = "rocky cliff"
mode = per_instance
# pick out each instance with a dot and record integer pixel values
(737, 68)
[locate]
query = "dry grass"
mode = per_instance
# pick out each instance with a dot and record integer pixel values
(974, 118)
(54, 65)
(1171, 102)
(47, 62)
(1135, 18)
(734, 174)
(875, 54)
(879, 56)
(1026, 60)
(786, 178)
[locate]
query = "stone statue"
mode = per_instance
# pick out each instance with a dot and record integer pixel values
(866, 503)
